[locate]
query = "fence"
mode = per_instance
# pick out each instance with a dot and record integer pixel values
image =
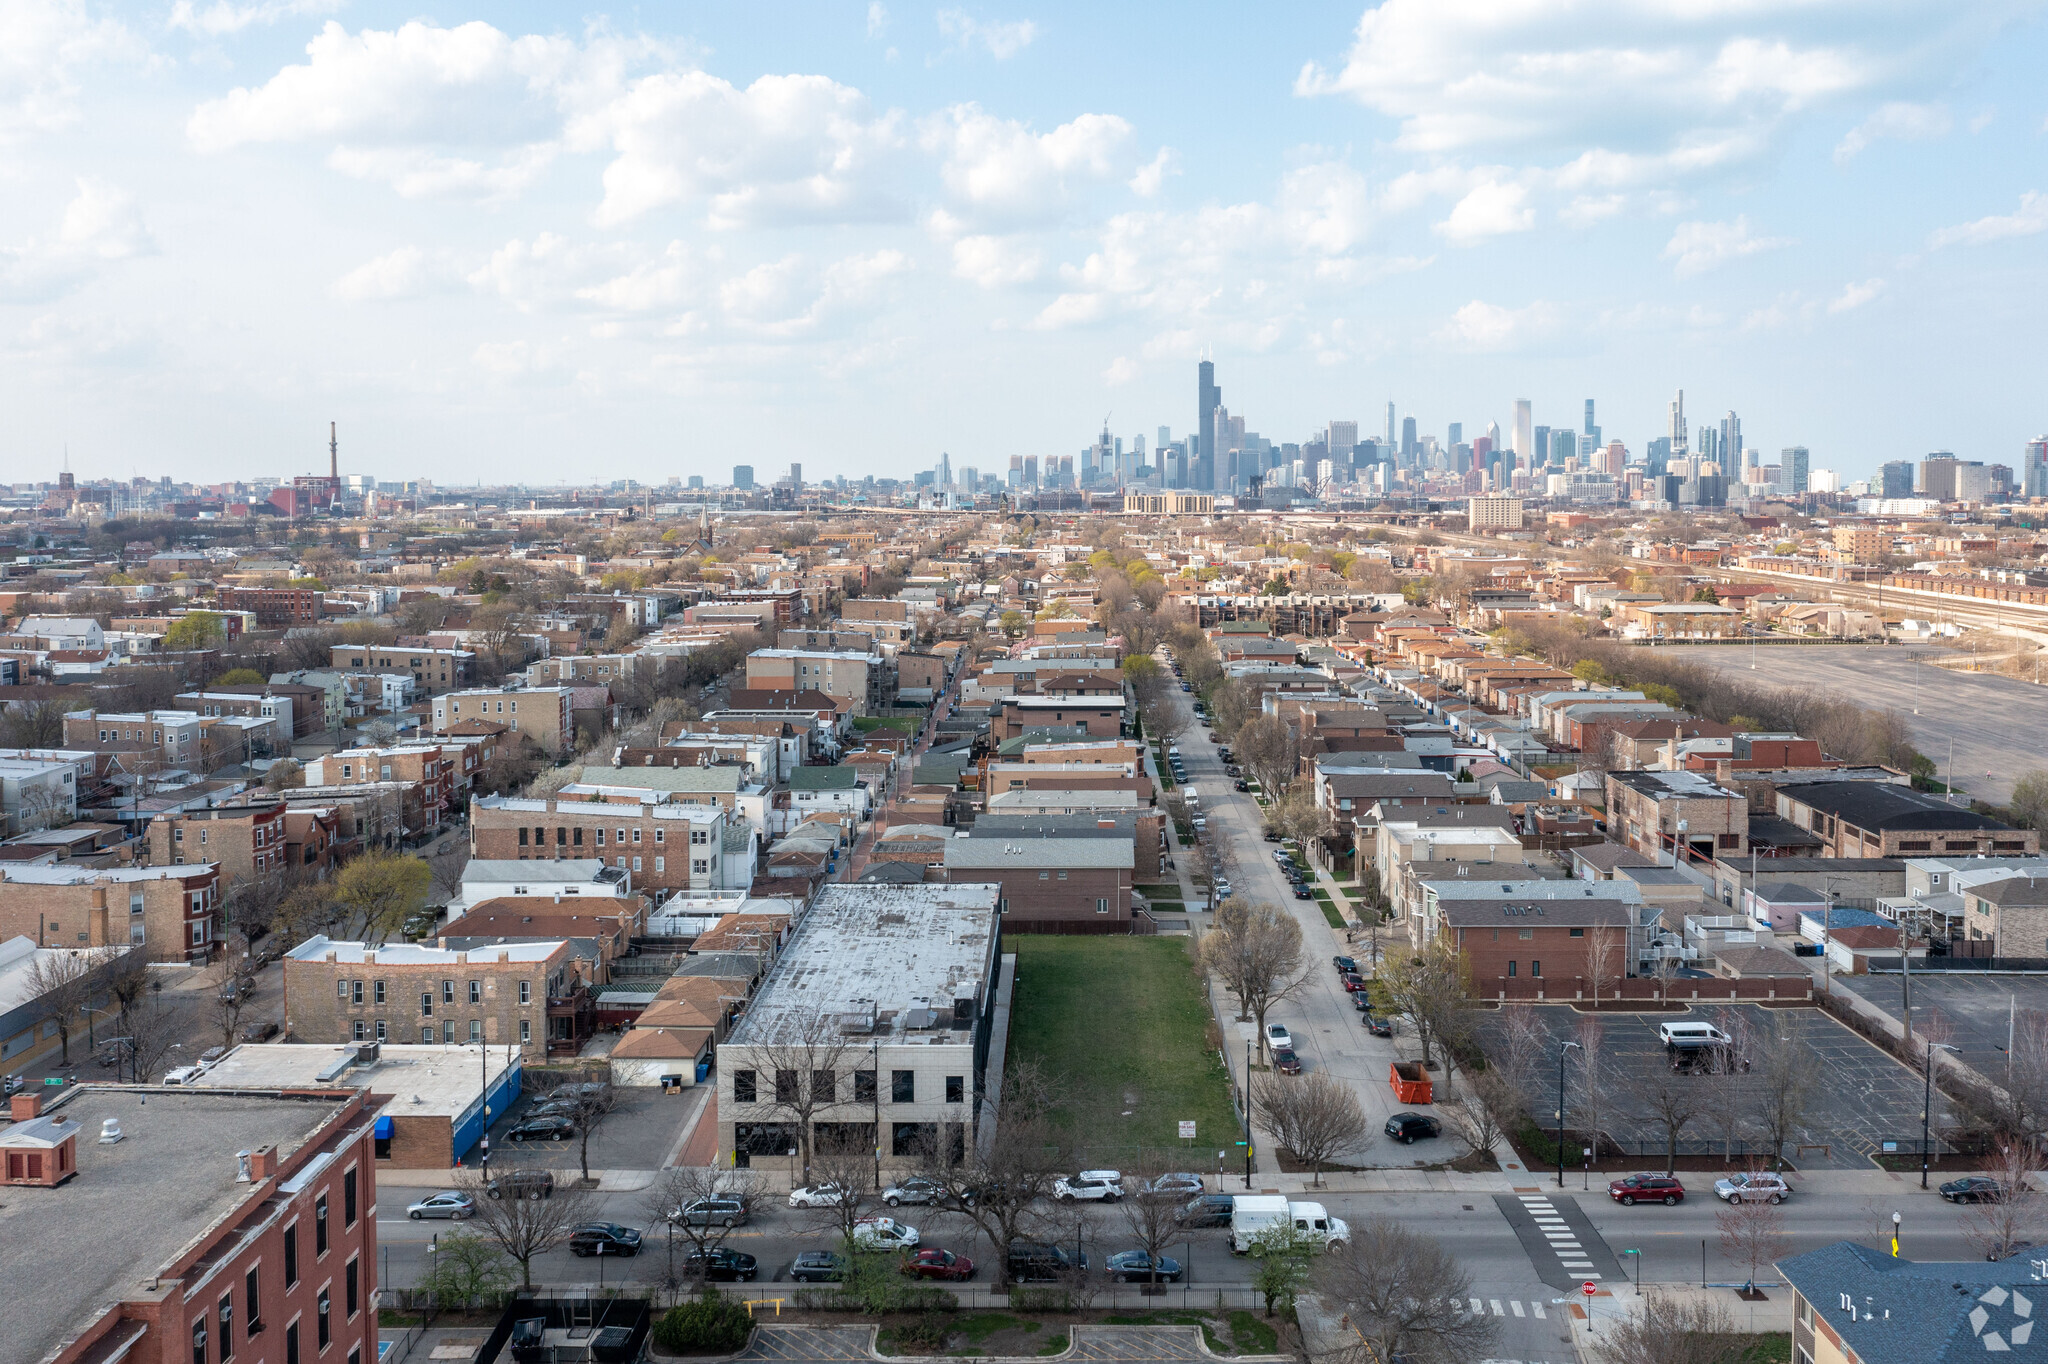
(1575, 989)
(772, 1299)
(1982, 965)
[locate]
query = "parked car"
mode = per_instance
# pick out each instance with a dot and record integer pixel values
(1353, 985)
(1271, 836)
(1135, 1266)
(1223, 889)
(1278, 1038)
(1302, 892)
(817, 1266)
(1281, 858)
(817, 1196)
(1089, 1186)
(555, 1108)
(1175, 1184)
(447, 1203)
(1030, 1262)
(1345, 965)
(1286, 1062)
(1409, 1128)
(1750, 1188)
(542, 1129)
(710, 1212)
(1973, 1189)
(1210, 1210)
(1374, 1024)
(522, 1184)
(259, 1032)
(1187, 686)
(1241, 784)
(1646, 1189)
(933, 1263)
(913, 1190)
(605, 1238)
(720, 1263)
(884, 1233)
(1213, 738)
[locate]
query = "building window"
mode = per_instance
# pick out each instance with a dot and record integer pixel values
(476, 1030)
(522, 835)
(1578, 933)
(526, 992)
(863, 1086)
(353, 1279)
(902, 1086)
(636, 864)
(1535, 967)
(660, 865)
(1101, 905)
(525, 1030)
(658, 835)
(380, 1029)
(1045, 876)
(743, 1086)
(341, 989)
(956, 1089)
(1063, 876)
(199, 1340)
(291, 1344)
(378, 991)
(324, 1336)
(291, 1256)
(426, 1004)
(447, 992)
(320, 1226)
(1511, 968)
(358, 1031)
(700, 867)
(448, 1033)
(476, 992)
(348, 1198)
(427, 1035)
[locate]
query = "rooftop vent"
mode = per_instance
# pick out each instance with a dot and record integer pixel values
(110, 1131)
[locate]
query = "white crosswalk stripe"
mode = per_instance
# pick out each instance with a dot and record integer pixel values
(1497, 1311)
(1506, 1307)
(1518, 1308)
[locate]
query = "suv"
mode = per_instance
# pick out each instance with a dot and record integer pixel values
(1210, 1210)
(913, 1190)
(1278, 1038)
(710, 1212)
(1646, 1189)
(884, 1233)
(1407, 1128)
(522, 1184)
(1031, 1262)
(1752, 1188)
(1105, 1186)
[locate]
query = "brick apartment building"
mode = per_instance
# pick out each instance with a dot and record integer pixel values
(1877, 819)
(1644, 810)
(1555, 938)
(1050, 885)
(174, 735)
(435, 670)
(528, 993)
(432, 767)
(666, 844)
(235, 1225)
(545, 715)
(243, 841)
(173, 912)
(1098, 717)
(276, 607)
(854, 677)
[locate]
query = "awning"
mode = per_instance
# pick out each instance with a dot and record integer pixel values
(383, 1132)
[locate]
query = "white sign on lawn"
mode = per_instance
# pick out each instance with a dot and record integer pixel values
(1187, 1131)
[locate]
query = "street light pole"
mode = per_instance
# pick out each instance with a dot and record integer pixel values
(1927, 1102)
(1560, 1109)
(1247, 1112)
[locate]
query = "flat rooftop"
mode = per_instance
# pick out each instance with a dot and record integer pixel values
(135, 1206)
(870, 956)
(422, 1081)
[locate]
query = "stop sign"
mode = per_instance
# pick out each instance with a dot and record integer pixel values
(1589, 1289)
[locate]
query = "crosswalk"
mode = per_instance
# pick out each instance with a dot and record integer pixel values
(1493, 1306)
(1563, 1241)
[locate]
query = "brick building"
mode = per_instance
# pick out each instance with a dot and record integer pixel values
(855, 677)
(1099, 717)
(545, 715)
(433, 768)
(1877, 819)
(1556, 938)
(667, 844)
(275, 607)
(244, 841)
(435, 670)
(1050, 885)
(531, 994)
(234, 1225)
(172, 912)
(1645, 809)
(172, 735)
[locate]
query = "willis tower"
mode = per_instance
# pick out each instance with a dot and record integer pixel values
(1208, 398)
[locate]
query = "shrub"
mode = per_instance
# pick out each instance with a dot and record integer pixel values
(710, 1324)
(1041, 1300)
(928, 1332)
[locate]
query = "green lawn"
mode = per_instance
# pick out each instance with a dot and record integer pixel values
(903, 724)
(1122, 1024)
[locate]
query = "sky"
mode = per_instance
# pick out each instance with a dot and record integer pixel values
(519, 243)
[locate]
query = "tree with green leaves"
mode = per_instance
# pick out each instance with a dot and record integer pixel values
(466, 1271)
(384, 889)
(1284, 1254)
(195, 630)
(2029, 803)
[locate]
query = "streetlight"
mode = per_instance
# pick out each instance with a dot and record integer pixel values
(1895, 1236)
(1927, 1101)
(1560, 1109)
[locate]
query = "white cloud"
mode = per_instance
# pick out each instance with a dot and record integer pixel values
(1588, 209)
(1899, 120)
(1001, 167)
(416, 173)
(1148, 178)
(1700, 246)
(993, 262)
(790, 297)
(1856, 295)
(1000, 40)
(1487, 327)
(2032, 217)
(670, 280)
(1120, 372)
(223, 17)
(45, 45)
(546, 272)
(878, 18)
(101, 225)
(1325, 208)
(1492, 209)
(407, 272)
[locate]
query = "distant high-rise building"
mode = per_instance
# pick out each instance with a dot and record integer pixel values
(1895, 479)
(1564, 445)
(1679, 441)
(944, 473)
(1539, 446)
(1731, 440)
(1341, 438)
(1973, 481)
(1393, 441)
(970, 479)
(1938, 476)
(743, 477)
(796, 477)
(2033, 468)
(1165, 438)
(1707, 443)
(1657, 457)
(1031, 471)
(1407, 440)
(1454, 434)
(1792, 470)
(1492, 437)
(1208, 397)
(1525, 431)
(1591, 429)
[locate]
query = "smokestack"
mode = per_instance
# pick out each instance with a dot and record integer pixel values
(333, 454)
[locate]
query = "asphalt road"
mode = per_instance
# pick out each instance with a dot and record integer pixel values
(1997, 723)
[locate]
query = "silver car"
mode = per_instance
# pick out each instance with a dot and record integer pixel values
(447, 1203)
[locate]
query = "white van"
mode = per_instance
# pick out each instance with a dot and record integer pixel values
(1191, 796)
(183, 1075)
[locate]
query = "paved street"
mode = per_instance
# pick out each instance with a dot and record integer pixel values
(1996, 722)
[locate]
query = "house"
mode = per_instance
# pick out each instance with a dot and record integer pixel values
(1674, 813)
(1579, 932)
(830, 791)
(1876, 819)
(1051, 885)
(1856, 1304)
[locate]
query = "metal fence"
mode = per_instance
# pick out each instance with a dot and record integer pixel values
(1982, 965)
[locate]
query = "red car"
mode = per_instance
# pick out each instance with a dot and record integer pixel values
(1353, 984)
(939, 1264)
(1286, 1062)
(1646, 1189)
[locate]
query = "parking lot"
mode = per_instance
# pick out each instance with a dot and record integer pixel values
(635, 1135)
(1856, 1097)
(1976, 1010)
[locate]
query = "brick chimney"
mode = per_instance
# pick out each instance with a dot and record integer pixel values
(262, 1163)
(25, 1105)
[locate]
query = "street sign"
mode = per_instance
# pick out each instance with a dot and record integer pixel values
(1589, 1289)
(1187, 1131)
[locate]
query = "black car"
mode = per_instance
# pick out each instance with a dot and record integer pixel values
(1242, 785)
(605, 1238)
(727, 1266)
(1302, 892)
(1271, 835)
(1210, 1210)
(1411, 1127)
(1374, 1024)
(1973, 1189)
(817, 1266)
(543, 1129)
(1034, 1263)
(1345, 965)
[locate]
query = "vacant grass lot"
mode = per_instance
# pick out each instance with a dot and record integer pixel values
(1121, 1025)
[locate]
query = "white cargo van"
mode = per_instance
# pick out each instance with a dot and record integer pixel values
(1314, 1219)
(1251, 1214)
(1191, 796)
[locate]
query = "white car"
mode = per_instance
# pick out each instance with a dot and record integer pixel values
(1752, 1188)
(817, 1196)
(1089, 1186)
(1278, 1038)
(884, 1233)
(916, 1189)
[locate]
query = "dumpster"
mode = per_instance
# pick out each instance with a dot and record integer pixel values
(1410, 1081)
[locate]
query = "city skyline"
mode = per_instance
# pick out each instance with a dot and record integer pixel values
(488, 241)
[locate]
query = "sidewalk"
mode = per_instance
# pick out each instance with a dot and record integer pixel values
(1591, 1317)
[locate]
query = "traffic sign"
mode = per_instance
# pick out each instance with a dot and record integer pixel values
(1589, 1289)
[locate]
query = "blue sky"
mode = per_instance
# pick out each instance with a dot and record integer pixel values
(503, 242)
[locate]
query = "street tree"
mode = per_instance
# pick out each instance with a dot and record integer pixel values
(1520, 1049)
(1484, 1107)
(1317, 1118)
(64, 982)
(1001, 1182)
(1781, 1082)
(1297, 815)
(525, 1228)
(229, 984)
(1673, 1330)
(590, 1099)
(1672, 1101)
(1605, 947)
(803, 1075)
(1283, 1255)
(680, 1188)
(1265, 746)
(843, 1160)
(383, 889)
(1406, 1294)
(1151, 1218)
(1255, 949)
(1434, 987)
(2015, 1219)
(468, 1272)
(1752, 1233)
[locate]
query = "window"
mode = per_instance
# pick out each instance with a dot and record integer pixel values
(476, 992)
(341, 989)
(1535, 967)
(824, 1087)
(358, 1031)
(658, 835)
(476, 1030)
(348, 1198)
(426, 1006)
(227, 1325)
(600, 838)
(525, 1030)
(1045, 876)
(426, 1034)
(381, 1026)
(956, 1089)
(1805, 1313)
(863, 1086)
(324, 1336)
(1578, 933)
(1101, 905)
(1525, 934)
(636, 864)
(199, 1340)
(621, 840)
(785, 1087)
(526, 992)
(320, 1226)
(1063, 876)
(576, 836)
(291, 1256)
(378, 988)
(522, 835)
(447, 992)
(448, 1033)
(743, 1086)
(255, 1301)
(353, 1280)
(902, 1086)
(1511, 968)
(291, 1344)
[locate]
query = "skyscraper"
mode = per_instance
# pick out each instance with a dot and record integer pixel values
(1564, 445)
(743, 477)
(796, 477)
(1454, 434)
(1792, 470)
(1165, 437)
(1525, 431)
(945, 471)
(1539, 447)
(1680, 444)
(1591, 429)
(1392, 442)
(1731, 441)
(1341, 438)
(1208, 397)
(1895, 479)
(2033, 468)
(1407, 440)
(1938, 476)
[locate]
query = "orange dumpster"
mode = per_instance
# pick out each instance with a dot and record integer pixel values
(1410, 1082)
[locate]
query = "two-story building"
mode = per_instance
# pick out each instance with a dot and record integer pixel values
(1878, 819)
(529, 993)
(1678, 815)
(1051, 885)
(666, 844)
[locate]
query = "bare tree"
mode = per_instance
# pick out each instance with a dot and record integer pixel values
(230, 984)
(64, 982)
(1673, 1101)
(1483, 1108)
(2024, 1110)
(1297, 815)
(1604, 952)
(1265, 745)
(844, 1164)
(703, 1204)
(803, 1074)
(1520, 1053)
(525, 1227)
(1673, 1330)
(1434, 987)
(1152, 1218)
(1730, 1065)
(1752, 1234)
(1000, 1182)
(151, 1026)
(2014, 1219)
(1592, 1075)
(1782, 1078)
(591, 1099)
(1406, 1295)
(1315, 1117)
(1255, 948)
